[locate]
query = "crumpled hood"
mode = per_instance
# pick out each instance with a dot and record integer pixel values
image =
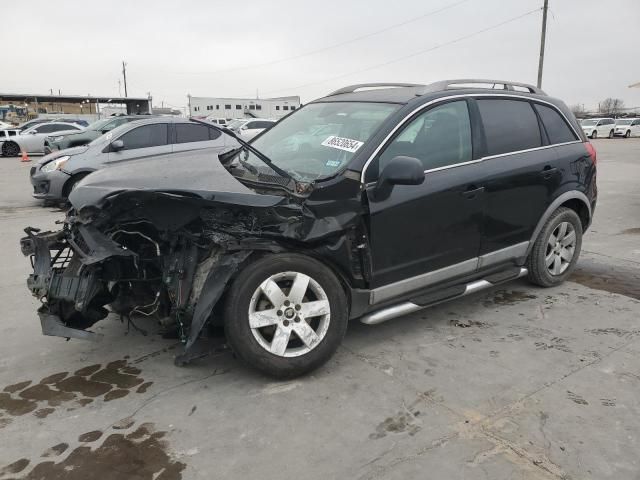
(195, 173)
(61, 153)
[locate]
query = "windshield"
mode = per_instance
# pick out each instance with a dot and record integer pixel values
(623, 122)
(98, 124)
(320, 138)
(589, 123)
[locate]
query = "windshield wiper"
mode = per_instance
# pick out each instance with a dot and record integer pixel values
(266, 160)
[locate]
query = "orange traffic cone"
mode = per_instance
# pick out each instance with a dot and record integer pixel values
(25, 157)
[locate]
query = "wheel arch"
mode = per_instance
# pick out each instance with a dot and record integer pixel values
(66, 189)
(576, 201)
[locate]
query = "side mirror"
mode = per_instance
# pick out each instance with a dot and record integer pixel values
(117, 145)
(33, 132)
(400, 170)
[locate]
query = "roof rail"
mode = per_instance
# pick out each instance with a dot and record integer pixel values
(504, 85)
(353, 88)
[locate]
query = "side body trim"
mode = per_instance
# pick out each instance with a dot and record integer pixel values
(392, 290)
(509, 253)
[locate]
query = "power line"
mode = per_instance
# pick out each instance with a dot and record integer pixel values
(331, 47)
(415, 54)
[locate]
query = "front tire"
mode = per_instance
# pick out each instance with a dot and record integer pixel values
(556, 250)
(285, 315)
(10, 149)
(594, 134)
(627, 134)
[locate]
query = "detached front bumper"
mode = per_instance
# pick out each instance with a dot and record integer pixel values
(65, 277)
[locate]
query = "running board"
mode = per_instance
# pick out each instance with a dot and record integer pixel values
(405, 308)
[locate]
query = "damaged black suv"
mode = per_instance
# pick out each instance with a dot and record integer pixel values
(372, 202)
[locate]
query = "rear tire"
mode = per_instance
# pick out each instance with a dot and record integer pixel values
(277, 302)
(10, 149)
(556, 250)
(611, 133)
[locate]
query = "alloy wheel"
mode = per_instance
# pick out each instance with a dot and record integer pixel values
(561, 247)
(289, 314)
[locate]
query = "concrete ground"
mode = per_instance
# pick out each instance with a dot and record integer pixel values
(515, 383)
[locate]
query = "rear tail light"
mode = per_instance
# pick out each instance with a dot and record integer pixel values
(592, 152)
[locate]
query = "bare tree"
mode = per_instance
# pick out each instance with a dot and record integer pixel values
(611, 106)
(577, 110)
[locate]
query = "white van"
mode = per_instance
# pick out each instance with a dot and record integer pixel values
(627, 127)
(598, 127)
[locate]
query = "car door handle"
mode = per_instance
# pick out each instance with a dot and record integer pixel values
(472, 191)
(548, 172)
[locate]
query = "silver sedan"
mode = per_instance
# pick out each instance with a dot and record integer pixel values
(32, 139)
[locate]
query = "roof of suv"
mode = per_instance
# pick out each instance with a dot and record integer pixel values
(404, 92)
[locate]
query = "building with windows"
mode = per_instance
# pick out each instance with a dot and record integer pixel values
(230, 108)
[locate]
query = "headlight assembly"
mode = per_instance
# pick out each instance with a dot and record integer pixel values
(56, 164)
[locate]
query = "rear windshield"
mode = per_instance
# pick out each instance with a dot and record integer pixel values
(321, 138)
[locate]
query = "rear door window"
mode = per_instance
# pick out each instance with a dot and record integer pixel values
(145, 136)
(187, 133)
(53, 127)
(556, 127)
(509, 125)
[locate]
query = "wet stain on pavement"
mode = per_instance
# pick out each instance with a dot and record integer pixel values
(112, 381)
(140, 455)
(405, 421)
(15, 467)
(614, 279)
(631, 231)
(508, 297)
(90, 436)
(56, 450)
(618, 332)
(556, 343)
(575, 398)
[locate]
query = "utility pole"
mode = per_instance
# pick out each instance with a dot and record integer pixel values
(124, 74)
(543, 38)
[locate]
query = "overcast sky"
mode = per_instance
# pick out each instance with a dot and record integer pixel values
(220, 48)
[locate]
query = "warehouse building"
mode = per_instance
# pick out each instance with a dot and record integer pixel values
(230, 108)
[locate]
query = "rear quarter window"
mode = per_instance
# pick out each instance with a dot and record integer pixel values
(558, 131)
(509, 125)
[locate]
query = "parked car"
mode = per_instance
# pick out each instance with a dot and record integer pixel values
(627, 127)
(252, 127)
(39, 121)
(93, 131)
(33, 123)
(57, 174)
(424, 194)
(217, 121)
(599, 127)
(32, 139)
(5, 125)
(6, 135)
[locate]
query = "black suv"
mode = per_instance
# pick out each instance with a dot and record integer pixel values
(372, 202)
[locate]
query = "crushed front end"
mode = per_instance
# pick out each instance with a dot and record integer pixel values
(153, 258)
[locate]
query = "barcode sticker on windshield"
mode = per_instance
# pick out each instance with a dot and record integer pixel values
(340, 143)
